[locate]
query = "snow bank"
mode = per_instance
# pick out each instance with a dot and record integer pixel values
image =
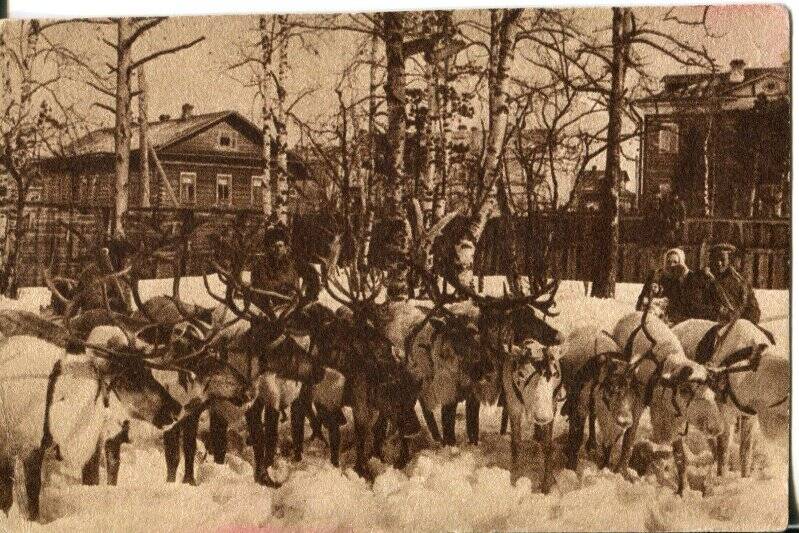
(466, 489)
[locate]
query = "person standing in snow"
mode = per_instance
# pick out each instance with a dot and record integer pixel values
(733, 292)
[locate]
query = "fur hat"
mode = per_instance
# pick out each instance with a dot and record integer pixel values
(723, 247)
(275, 233)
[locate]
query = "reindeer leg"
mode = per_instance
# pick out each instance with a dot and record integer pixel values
(473, 419)
(331, 423)
(112, 456)
(90, 475)
(503, 424)
(271, 421)
(430, 420)
(379, 433)
(6, 484)
(575, 441)
(218, 441)
(33, 481)
(747, 441)
(680, 461)
(546, 447)
(627, 445)
(172, 452)
(722, 454)
(515, 442)
(448, 423)
(255, 429)
(365, 427)
(298, 412)
(190, 448)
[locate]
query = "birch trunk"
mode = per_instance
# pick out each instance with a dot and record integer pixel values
(398, 244)
(122, 127)
(503, 40)
(281, 206)
(606, 245)
(427, 142)
(266, 114)
(144, 159)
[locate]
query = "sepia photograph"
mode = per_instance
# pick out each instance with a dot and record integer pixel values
(508, 269)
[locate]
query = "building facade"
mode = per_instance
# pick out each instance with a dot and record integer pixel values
(211, 160)
(721, 141)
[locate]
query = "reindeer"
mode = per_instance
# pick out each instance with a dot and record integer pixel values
(55, 398)
(678, 391)
(600, 384)
(256, 342)
(752, 379)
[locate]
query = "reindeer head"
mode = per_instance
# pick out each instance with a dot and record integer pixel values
(537, 370)
(692, 397)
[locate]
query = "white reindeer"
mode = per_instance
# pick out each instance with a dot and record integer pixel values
(531, 382)
(755, 386)
(50, 398)
(676, 389)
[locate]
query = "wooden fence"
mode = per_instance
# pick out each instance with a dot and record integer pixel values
(764, 245)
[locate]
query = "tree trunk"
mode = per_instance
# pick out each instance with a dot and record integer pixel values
(398, 244)
(144, 157)
(281, 198)
(266, 114)
(426, 141)
(444, 141)
(122, 129)
(503, 41)
(372, 158)
(606, 245)
(706, 160)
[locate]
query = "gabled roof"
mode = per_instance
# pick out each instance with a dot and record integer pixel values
(709, 85)
(161, 133)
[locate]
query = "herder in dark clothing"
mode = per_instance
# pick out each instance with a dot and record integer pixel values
(281, 271)
(685, 293)
(732, 290)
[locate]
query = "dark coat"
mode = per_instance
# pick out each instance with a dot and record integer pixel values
(732, 287)
(697, 298)
(287, 277)
(692, 295)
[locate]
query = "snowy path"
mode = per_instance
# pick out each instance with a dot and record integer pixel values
(442, 489)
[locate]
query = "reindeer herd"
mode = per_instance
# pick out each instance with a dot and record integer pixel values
(71, 382)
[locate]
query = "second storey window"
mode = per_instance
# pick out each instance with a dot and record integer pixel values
(227, 140)
(223, 184)
(669, 138)
(188, 187)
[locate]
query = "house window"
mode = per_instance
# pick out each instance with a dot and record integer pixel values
(188, 188)
(227, 140)
(223, 183)
(256, 193)
(669, 138)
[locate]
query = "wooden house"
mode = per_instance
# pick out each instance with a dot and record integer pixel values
(211, 160)
(720, 140)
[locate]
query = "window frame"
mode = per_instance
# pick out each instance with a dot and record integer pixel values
(233, 140)
(668, 138)
(193, 176)
(229, 178)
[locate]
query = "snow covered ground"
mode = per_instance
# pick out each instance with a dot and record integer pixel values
(465, 489)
